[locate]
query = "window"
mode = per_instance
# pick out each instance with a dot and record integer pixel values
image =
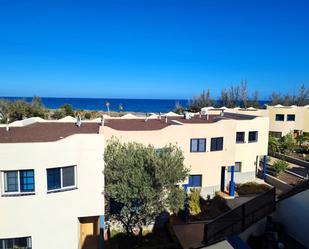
(26, 180)
(275, 134)
(195, 180)
(291, 117)
(240, 137)
(279, 117)
(11, 181)
(18, 181)
(253, 136)
(216, 143)
(22, 243)
(237, 167)
(158, 151)
(198, 145)
(61, 178)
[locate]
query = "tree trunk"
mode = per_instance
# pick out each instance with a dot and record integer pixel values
(140, 233)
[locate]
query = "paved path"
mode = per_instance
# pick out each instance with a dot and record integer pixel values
(237, 201)
(190, 235)
(294, 168)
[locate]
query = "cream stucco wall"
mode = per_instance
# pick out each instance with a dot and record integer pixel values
(52, 219)
(247, 152)
(208, 163)
(301, 117)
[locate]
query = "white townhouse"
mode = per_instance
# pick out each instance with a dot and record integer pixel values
(51, 186)
(219, 149)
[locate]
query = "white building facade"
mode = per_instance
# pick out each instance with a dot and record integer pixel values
(51, 191)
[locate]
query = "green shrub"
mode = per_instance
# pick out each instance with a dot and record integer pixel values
(58, 114)
(68, 110)
(286, 143)
(280, 166)
(116, 232)
(87, 115)
(194, 201)
(273, 144)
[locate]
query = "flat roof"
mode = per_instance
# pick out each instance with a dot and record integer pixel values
(157, 124)
(45, 132)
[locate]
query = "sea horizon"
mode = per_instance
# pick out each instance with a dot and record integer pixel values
(143, 105)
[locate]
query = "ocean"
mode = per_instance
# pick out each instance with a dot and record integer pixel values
(129, 105)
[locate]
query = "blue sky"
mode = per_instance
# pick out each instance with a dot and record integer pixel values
(151, 48)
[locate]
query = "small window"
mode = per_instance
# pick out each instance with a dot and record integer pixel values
(279, 117)
(237, 167)
(198, 145)
(291, 117)
(158, 151)
(275, 134)
(53, 178)
(24, 242)
(61, 178)
(240, 137)
(11, 181)
(216, 144)
(253, 136)
(195, 181)
(18, 181)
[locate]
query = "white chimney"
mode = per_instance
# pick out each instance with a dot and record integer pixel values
(146, 119)
(166, 119)
(7, 128)
(187, 115)
(207, 116)
(78, 121)
(102, 120)
(222, 113)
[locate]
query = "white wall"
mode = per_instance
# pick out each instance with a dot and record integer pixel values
(52, 219)
(293, 213)
(207, 163)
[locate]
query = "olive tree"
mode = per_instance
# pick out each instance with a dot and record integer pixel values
(143, 181)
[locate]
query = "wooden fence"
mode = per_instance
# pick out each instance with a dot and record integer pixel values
(240, 218)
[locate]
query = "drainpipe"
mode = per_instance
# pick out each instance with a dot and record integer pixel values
(101, 240)
(232, 183)
(264, 167)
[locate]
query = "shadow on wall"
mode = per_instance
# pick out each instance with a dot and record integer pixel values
(91, 242)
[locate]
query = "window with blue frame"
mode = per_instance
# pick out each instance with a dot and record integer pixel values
(195, 181)
(26, 179)
(198, 145)
(61, 178)
(18, 181)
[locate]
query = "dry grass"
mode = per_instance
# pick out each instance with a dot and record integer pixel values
(251, 188)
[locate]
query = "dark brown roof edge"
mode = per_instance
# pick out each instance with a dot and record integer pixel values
(295, 190)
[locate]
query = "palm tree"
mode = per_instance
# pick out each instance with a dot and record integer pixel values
(107, 105)
(120, 107)
(300, 139)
